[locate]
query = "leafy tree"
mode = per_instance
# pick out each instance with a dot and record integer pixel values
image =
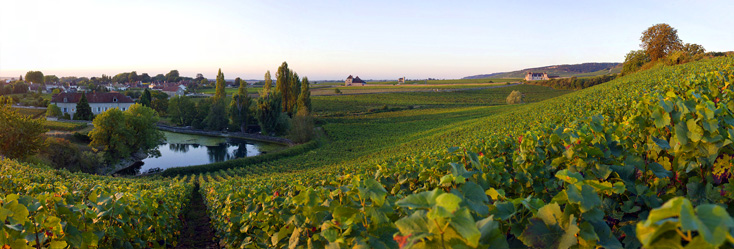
(288, 85)
(123, 133)
(20, 135)
(217, 119)
(53, 111)
(132, 77)
(304, 98)
(172, 76)
(515, 97)
(659, 40)
(83, 110)
(220, 87)
(634, 60)
(268, 82)
(50, 79)
(203, 107)
(693, 49)
(55, 91)
(269, 111)
(240, 106)
(181, 110)
(35, 77)
(146, 98)
(144, 77)
(142, 122)
(159, 78)
(159, 105)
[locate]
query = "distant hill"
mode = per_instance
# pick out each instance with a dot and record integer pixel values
(579, 70)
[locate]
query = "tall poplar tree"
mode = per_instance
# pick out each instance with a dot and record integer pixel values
(304, 99)
(240, 106)
(268, 82)
(283, 84)
(220, 93)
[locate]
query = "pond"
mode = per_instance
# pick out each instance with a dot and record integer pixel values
(182, 150)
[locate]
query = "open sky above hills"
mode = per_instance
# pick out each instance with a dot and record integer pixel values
(333, 39)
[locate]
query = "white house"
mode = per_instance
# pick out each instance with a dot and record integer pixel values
(99, 102)
(536, 76)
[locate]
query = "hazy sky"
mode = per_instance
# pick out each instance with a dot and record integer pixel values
(333, 39)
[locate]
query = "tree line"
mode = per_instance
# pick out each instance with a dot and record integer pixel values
(573, 83)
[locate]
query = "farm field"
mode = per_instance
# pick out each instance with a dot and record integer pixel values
(640, 161)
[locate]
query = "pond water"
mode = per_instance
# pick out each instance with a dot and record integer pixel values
(181, 150)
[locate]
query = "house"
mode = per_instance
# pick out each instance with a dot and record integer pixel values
(174, 91)
(99, 102)
(354, 81)
(530, 76)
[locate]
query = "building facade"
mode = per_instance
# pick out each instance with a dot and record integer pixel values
(99, 102)
(530, 76)
(354, 81)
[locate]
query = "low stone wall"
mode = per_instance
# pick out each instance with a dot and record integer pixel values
(242, 135)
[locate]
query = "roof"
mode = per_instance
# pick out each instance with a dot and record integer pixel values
(357, 80)
(350, 76)
(171, 89)
(92, 98)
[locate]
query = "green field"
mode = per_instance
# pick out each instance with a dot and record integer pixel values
(640, 161)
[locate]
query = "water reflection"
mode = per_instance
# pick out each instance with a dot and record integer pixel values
(186, 150)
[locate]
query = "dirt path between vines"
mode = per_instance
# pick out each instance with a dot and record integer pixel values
(197, 230)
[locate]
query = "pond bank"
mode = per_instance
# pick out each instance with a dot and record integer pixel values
(241, 135)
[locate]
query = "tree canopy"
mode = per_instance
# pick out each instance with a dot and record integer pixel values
(220, 93)
(123, 133)
(83, 110)
(659, 40)
(20, 135)
(240, 106)
(35, 77)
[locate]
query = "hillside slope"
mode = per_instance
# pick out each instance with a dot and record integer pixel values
(610, 166)
(566, 70)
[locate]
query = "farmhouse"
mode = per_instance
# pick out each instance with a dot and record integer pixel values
(99, 102)
(530, 76)
(354, 81)
(174, 91)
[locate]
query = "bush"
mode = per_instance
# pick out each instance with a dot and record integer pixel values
(53, 111)
(337, 91)
(65, 155)
(515, 97)
(301, 128)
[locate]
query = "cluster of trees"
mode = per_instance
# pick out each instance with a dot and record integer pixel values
(278, 110)
(122, 133)
(661, 43)
(573, 83)
(20, 135)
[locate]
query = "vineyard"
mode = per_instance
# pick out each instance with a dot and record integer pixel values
(640, 161)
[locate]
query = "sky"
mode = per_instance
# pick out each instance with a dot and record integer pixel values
(329, 40)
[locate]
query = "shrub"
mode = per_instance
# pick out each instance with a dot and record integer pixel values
(53, 111)
(515, 97)
(302, 126)
(337, 91)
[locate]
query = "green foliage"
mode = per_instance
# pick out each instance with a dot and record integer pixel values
(302, 127)
(304, 98)
(269, 110)
(121, 134)
(44, 208)
(239, 107)
(171, 76)
(634, 60)
(515, 97)
(220, 85)
(53, 111)
(20, 135)
(216, 118)
(659, 40)
(83, 110)
(588, 169)
(35, 77)
(181, 110)
(146, 98)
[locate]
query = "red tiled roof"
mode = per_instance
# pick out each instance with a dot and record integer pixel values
(170, 89)
(92, 98)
